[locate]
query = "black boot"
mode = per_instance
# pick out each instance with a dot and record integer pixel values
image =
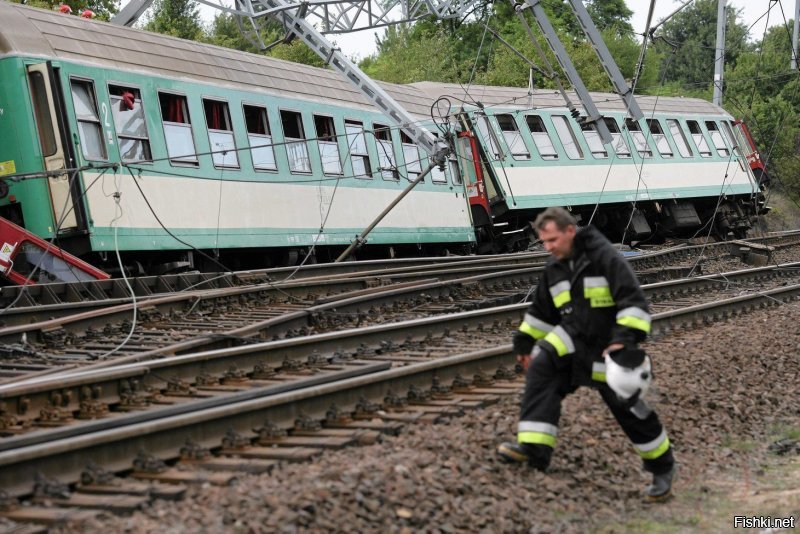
(524, 453)
(661, 488)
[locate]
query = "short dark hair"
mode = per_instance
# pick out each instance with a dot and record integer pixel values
(558, 215)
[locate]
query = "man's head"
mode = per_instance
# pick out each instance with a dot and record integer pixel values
(556, 228)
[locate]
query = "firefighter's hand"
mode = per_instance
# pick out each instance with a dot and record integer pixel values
(523, 343)
(524, 360)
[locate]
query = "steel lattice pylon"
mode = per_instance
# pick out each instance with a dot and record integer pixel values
(328, 16)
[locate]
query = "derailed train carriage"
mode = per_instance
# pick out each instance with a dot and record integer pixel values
(118, 139)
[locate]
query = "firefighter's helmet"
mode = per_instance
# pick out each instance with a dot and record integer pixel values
(628, 373)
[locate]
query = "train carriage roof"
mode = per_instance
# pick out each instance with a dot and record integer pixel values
(49, 34)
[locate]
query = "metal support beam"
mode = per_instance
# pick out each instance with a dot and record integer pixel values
(361, 239)
(719, 53)
(610, 66)
(131, 12)
(370, 89)
(795, 33)
(594, 116)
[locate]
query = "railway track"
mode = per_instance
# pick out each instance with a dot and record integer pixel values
(67, 398)
(57, 299)
(72, 295)
(249, 428)
(175, 324)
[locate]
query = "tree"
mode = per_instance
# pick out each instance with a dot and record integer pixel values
(688, 43)
(102, 9)
(178, 18)
(406, 56)
(225, 31)
(765, 92)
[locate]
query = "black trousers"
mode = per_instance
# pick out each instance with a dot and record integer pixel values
(550, 378)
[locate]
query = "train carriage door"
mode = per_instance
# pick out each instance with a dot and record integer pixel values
(46, 105)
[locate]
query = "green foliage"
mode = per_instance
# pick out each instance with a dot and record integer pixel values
(761, 89)
(414, 54)
(103, 9)
(178, 18)
(690, 38)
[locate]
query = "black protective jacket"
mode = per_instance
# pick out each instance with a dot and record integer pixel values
(585, 303)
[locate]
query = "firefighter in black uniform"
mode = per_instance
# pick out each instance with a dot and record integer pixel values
(588, 308)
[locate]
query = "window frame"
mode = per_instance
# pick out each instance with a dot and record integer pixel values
(364, 156)
(684, 141)
(639, 139)
(229, 119)
(519, 156)
(593, 141)
(301, 141)
(703, 154)
(549, 156)
(269, 135)
(718, 132)
(568, 129)
(115, 100)
(389, 174)
(180, 161)
(97, 120)
(40, 105)
(618, 140)
(417, 164)
(334, 143)
(660, 139)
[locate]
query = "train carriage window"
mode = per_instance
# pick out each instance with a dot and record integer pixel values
(412, 157)
(660, 138)
(541, 138)
(716, 139)
(619, 144)
(295, 136)
(699, 139)
(260, 138)
(386, 159)
(41, 109)
(129, 121)
(328, 144)
(729, 137)
(488, 134)
(680, 138)
(90, 130)
(593, 140)
(177, 128)
(220, 133)
(567, 137)
(512, 136)
(357, 145)
(455, 171)
(437, 176)
(639, 139)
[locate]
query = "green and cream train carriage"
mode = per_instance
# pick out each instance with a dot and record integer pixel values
(180, 144)
(686, 166)
(246, 152)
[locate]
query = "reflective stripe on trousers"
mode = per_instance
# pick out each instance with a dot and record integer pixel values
(537, 433)
(653, 449)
